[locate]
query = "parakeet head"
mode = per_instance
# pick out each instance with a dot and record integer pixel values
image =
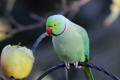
(56, 25)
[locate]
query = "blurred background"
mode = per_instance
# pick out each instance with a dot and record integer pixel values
(22, 21)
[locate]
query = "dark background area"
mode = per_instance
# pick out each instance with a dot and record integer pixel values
(104, 41)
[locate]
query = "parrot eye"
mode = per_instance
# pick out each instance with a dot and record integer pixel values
(54, 25)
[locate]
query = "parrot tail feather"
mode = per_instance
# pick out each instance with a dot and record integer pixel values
(88, 73)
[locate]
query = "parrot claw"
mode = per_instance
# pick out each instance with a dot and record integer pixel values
(67, 65)
(76, 65)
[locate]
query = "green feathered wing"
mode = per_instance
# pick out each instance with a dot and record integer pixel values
(87, 70)
(73, 45)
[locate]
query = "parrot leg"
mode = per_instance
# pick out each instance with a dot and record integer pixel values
(76, 65)
(66, 69)
(66, 73)
(67, 65)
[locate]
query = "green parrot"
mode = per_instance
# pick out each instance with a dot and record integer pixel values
(70, 42)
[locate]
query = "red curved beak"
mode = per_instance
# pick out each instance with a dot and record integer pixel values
(49, 31)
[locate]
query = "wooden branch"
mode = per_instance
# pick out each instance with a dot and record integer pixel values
(41, 21)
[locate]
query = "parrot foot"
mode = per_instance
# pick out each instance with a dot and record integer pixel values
(76, 65)
(67, 65)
